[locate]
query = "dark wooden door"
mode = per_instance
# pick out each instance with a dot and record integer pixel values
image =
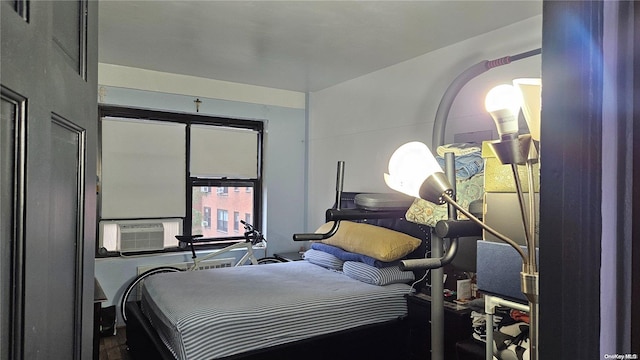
(48, 153)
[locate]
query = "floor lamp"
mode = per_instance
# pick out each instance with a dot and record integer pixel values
(413, 170)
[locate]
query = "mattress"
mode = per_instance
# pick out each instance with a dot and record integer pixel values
(215, 313)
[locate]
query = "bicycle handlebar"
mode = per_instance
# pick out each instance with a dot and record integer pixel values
(251, 234)
(247, 226)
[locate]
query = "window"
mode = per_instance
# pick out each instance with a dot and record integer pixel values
(235, 202)
(206, 218)
(223, 220)
(143, 165)
(144, 174)
(236, 221)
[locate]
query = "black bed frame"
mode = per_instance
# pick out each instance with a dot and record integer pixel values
(388, 340)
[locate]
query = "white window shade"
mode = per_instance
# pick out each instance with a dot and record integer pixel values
(143, 164)
(224, 152)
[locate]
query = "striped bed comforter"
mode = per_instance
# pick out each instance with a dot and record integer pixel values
(216, 313)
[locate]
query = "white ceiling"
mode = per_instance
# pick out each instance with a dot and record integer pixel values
(294, 45)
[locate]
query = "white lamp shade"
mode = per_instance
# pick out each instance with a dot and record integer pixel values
(409, 166)
(530, 90)
(503, 103)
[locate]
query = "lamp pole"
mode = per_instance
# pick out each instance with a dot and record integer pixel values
(520, 150)
(428, 182)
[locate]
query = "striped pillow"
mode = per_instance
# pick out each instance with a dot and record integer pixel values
(376, 276)
(323, 259)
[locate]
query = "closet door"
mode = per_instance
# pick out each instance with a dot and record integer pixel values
(49, 117)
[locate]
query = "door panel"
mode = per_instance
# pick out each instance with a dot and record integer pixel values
(51, 60)
(67, 144)
(11, 239)
(69, 33)
(7, 116)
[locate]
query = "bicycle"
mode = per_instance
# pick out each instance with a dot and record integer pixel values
(252, 238)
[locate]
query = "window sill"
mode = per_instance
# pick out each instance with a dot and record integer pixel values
(201, 250)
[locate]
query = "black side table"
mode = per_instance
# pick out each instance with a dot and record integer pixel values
(98, 298)
(457, 326)
(289, 256)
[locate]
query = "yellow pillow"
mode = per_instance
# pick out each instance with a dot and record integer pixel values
(374, 241)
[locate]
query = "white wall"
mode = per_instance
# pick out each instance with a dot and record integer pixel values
(362, 121)
(284, 115)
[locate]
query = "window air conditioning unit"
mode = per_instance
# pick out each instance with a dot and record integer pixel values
(205, 224)
(140, 237)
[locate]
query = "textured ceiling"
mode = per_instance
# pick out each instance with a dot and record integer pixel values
(295, 45)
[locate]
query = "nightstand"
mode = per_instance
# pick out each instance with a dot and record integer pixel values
(98, 298)
(457, 326)
(289, 256)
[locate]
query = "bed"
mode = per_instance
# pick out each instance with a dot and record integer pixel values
(278, 311)
(288, 309)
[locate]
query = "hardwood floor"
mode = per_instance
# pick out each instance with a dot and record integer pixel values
(114, 347)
